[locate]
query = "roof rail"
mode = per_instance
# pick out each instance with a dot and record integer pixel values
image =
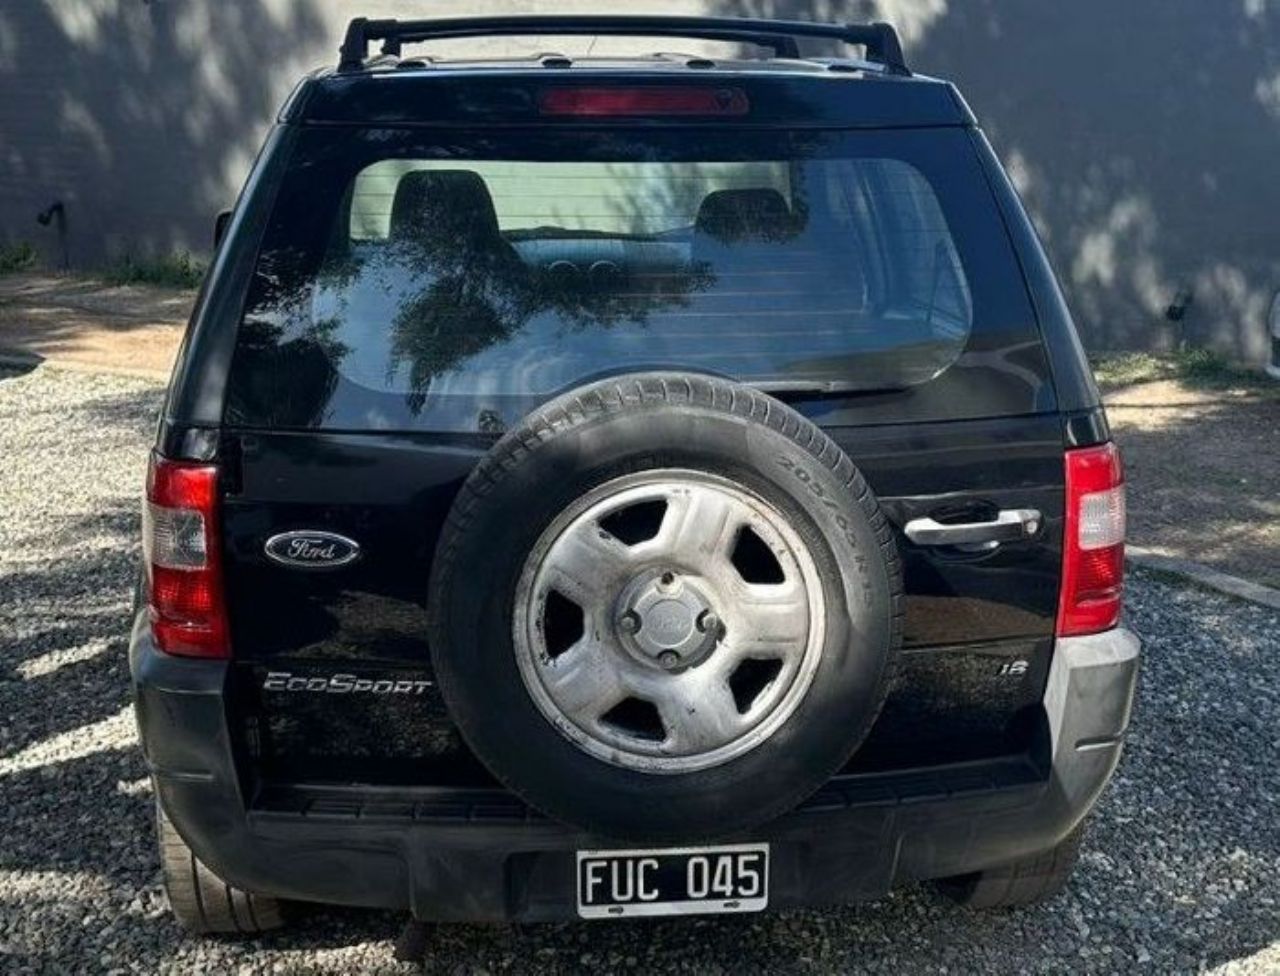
(880, 40)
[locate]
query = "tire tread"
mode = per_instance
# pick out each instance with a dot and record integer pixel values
(1024, 882)
(201, 901)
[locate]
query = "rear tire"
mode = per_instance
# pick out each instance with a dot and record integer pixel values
(202, 902)
(1024, 882)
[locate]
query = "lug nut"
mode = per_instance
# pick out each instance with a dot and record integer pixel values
(629, 623)
(709, 623)
(669, 659)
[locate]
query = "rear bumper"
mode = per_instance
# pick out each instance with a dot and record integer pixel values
(449, 854)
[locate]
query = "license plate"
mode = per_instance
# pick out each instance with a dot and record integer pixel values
(676, 881)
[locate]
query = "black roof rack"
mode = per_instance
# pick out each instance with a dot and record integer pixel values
(880, 40)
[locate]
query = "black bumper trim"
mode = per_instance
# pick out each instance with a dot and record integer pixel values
(452, 805)
(454, 854)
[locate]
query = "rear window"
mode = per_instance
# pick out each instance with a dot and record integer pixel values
(405, 284)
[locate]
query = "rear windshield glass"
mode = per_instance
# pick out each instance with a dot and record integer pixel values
(404, 284)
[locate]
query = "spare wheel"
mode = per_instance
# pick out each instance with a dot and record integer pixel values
(665, 607)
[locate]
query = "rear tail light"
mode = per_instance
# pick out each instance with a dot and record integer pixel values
(650, 100)
(183, 559)
(1093, 542)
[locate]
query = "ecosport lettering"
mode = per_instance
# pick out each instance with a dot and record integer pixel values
(343, 684)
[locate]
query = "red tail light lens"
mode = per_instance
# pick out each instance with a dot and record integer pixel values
(651, 100)
(1093, 542)
(183, 559)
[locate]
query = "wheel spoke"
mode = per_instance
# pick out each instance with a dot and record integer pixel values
(700, 525)
(586, 681)
(699, 713)
(768, 618)
(587, 564)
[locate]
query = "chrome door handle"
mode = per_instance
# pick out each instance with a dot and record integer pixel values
(1009, 525)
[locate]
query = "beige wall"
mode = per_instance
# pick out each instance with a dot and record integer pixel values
(1145, 134)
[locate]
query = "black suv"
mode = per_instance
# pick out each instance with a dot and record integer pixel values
(627, 486)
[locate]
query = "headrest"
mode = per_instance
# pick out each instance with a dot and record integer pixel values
(444, 204)
(755, 214)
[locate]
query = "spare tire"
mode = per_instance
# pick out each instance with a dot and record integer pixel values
(665, 607)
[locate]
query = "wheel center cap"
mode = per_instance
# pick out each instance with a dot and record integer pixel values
(664, 620)
(668, 623)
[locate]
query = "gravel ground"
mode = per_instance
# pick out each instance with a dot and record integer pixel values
(1208, 449)
(1181, 872)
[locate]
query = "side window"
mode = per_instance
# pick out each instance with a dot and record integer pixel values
(852, 206)
(927, 277)
(900, 240)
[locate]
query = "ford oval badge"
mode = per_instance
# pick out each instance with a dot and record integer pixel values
(312, 549)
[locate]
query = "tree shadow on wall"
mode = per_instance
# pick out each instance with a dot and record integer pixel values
(141, 117)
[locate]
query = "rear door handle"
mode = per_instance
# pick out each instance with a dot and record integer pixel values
(1009, 525)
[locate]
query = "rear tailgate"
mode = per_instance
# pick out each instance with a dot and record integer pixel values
(978, 629)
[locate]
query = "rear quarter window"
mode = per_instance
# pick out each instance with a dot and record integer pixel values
(407, 285)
